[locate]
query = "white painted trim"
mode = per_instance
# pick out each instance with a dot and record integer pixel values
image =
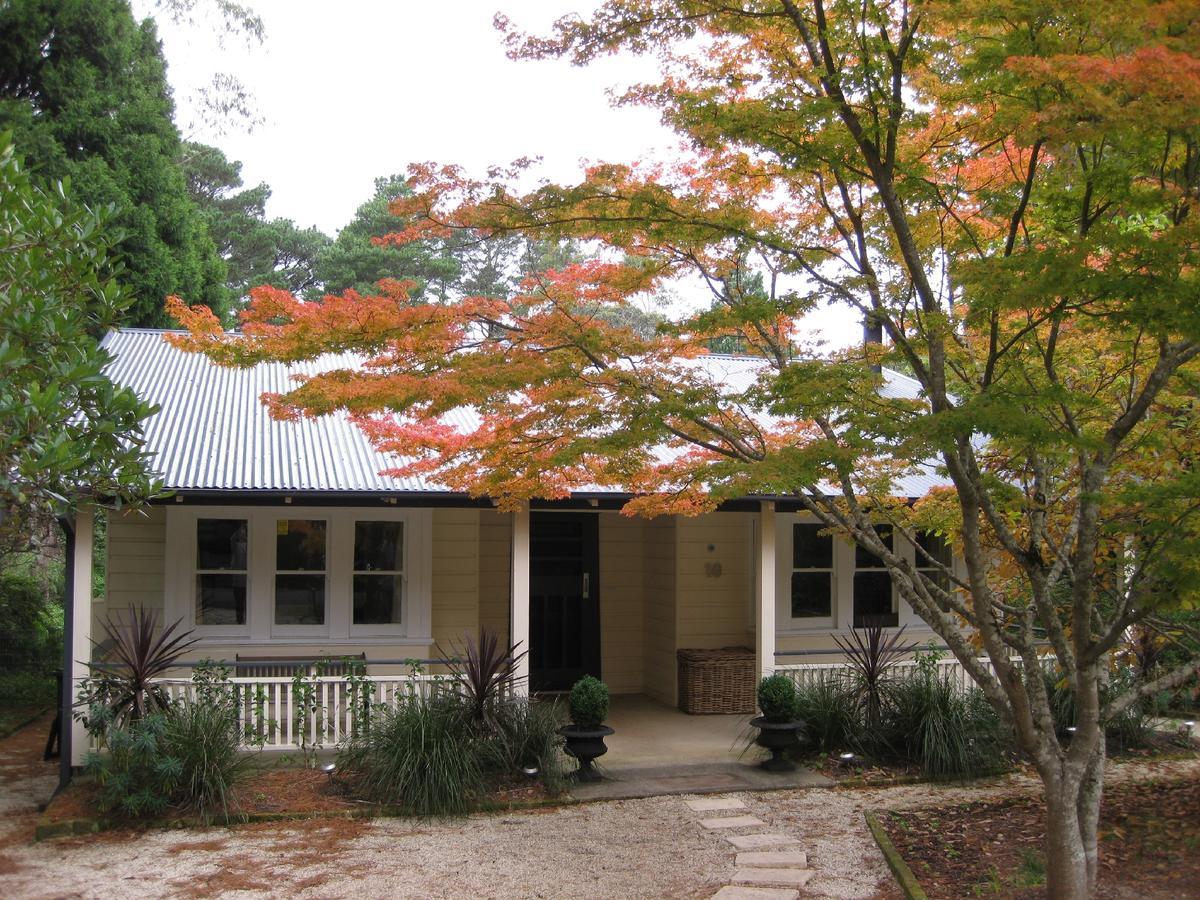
(81, 607)
(765, 599)
(415, 627)
(519, 602)
(783, 579)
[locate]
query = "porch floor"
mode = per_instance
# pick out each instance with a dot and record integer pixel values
(656, 749)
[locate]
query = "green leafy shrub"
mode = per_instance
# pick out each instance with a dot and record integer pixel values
(777, 698)
(203, 734)
(422, 756)
(137, 775)
(526, 735)
(1128, 730)
(588, 702)
(948, 733)
(31, 618)
(829, 713)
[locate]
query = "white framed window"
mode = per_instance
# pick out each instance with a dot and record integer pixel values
(379, 577)
(221, 560)
(807, 584)
(272, 574)
(874, 593)
(300, 596)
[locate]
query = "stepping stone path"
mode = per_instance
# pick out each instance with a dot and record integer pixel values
(770, 865)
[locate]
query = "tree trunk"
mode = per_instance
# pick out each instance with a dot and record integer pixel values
(1072, 814)
(1066, 858)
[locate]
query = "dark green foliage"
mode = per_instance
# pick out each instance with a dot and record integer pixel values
(526, 736)
(184, 755)
(256, 250)
(353, 262)
(136, 774)
(202, 734)
(777, 698)
(67, 430)
(31, 620)
(588, 702)
(421, 755)
(444, 269)
(140, 651)
(948, 733)
(83, 88)
(1128, 730)
(830, 715)
(486, 673)
(430, 758)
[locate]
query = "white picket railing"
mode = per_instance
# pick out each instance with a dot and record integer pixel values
(273, 714)
(804, 674)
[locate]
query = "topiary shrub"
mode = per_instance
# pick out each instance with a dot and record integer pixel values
(777, 698)
(589, 702)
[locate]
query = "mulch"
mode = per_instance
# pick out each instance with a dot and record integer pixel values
(1149, 844)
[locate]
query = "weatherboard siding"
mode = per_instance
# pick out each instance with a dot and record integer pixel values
(658, 617)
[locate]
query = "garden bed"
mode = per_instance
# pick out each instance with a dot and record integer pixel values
(1149, 844)
(264, 795)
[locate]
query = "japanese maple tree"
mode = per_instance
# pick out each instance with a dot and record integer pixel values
(1002, 190)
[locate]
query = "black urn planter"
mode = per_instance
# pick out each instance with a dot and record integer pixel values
(779, 738)
(586, 744)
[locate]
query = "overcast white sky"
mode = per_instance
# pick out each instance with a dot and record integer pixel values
(357, 89)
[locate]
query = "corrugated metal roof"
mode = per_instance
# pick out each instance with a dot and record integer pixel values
(212, 432)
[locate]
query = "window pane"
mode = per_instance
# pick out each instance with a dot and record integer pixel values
(377, 599)
(220, 599)
(873, 600)
(865, 559)
(299, 599)
(221, 544)
(811, 595)
(810, 548)
(934, 545)
(300, 545)
(378, 546)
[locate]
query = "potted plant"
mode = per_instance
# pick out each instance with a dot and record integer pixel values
(588, 705)
(778, 726)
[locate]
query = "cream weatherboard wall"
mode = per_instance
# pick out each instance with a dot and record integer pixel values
(622, 598)
(137, 559)
(659, 611)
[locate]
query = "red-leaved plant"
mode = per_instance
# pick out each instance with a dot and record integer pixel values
(487, 672)
(138, 652)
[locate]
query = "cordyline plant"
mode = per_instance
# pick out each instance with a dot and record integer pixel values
(487, 672)
(1003, 191)
(139, 651)
(870, 652)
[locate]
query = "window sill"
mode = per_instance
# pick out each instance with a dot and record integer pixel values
(296, 641)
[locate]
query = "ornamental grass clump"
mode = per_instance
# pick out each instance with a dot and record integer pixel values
(422, 756)
(947, 732)
(829, 713)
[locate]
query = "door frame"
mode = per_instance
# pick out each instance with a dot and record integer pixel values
(590, 648)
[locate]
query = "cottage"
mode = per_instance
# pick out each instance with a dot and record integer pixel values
(281, 541)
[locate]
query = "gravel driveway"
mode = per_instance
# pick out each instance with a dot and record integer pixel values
(624, 848)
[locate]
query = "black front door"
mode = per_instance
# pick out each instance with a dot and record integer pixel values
(564, 608)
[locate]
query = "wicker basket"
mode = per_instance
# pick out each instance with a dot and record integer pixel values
(716, 681)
